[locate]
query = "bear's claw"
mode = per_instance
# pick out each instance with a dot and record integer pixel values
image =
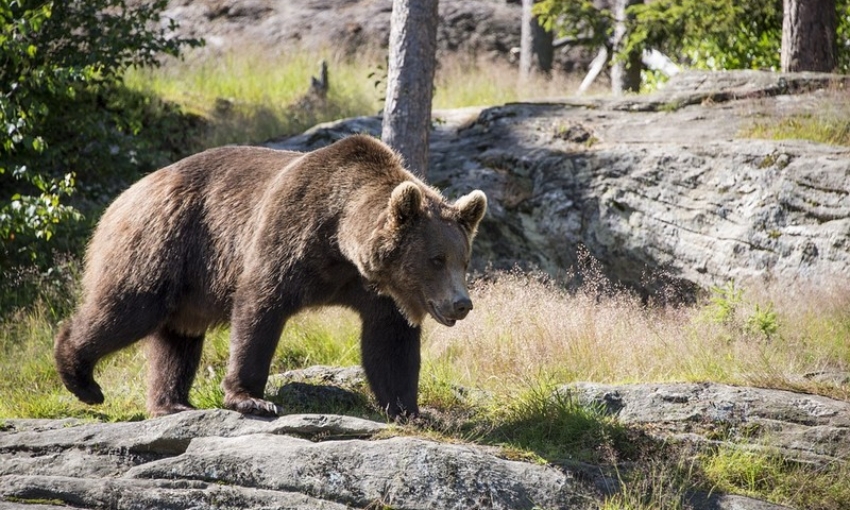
(254, 406)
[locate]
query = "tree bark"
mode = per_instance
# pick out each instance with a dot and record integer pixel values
(410, 81)
(625, 73)
(536, 50)
(809, 35)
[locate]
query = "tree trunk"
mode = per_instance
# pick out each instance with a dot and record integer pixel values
(410, 81)
(596, 67)
(536, 50)
(808, 35)
(625, 73)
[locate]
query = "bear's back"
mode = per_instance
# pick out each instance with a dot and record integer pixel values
(183, 223)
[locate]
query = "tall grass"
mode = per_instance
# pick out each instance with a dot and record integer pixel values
(775, 478)
(524, 328)
(31, 388)
(462, 81)
(251, 94)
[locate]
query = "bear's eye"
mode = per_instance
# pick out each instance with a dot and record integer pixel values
(438, 262)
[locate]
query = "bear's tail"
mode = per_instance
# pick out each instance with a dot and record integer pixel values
(77, 373)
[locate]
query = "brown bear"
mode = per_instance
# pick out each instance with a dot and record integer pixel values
(251, 236)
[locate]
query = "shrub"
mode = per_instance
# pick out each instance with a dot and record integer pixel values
(65, 117)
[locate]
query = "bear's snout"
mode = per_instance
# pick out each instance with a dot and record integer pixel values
(450, 311)
(462, 307)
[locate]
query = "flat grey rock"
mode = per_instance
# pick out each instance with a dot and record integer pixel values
(400, 472)
(221, 459)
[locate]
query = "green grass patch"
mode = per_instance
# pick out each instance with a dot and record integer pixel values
(250, 95)
(330, 337)
(671, 476)
(661, 483)
(823, 125)
(30, 386)
(554, 426)
(776, 478)
(826, 128)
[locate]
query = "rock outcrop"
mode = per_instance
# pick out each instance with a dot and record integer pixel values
(796, 426)
(484, 28)
(657, 184)
(221, 459)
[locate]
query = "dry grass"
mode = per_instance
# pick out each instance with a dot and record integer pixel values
(524, 328)
(464, 82)
(526, 331)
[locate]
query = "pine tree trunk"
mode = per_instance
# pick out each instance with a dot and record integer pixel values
(536, 51)
(625, 74)
(410, 81)
(808, 35)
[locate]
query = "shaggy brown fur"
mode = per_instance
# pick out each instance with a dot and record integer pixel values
(251, 236)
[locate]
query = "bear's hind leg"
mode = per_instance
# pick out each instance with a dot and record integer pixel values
(95, 331)
(75, 369)
(173, 360)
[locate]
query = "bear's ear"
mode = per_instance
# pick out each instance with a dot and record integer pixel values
(405, 203)
(472, 208)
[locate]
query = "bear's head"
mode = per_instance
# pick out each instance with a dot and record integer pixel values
(421, 252)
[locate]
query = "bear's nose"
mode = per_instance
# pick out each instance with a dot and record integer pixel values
(462, 307)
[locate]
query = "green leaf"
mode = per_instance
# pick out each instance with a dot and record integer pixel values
(59, 61)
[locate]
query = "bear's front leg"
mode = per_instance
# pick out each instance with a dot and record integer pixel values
(391, 357)
(255, 332)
